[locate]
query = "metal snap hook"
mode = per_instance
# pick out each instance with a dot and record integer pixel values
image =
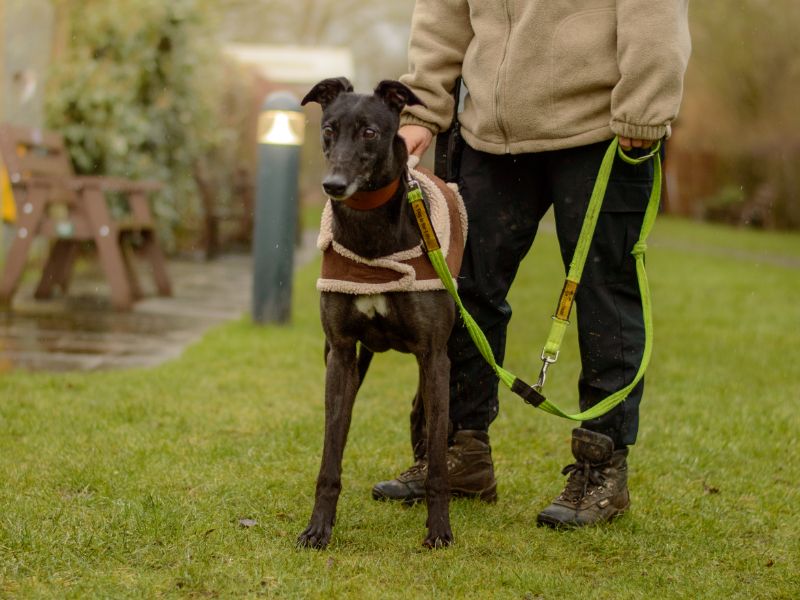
(546, 362)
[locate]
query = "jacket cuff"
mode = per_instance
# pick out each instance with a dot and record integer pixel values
(409, 119)
(640, 132)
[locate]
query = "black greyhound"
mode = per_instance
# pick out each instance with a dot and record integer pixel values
(365, 154)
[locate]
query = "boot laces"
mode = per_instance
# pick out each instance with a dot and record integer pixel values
(581, 475)
(415, 471)
(418, 469)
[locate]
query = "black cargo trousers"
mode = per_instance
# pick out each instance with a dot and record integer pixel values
(506, 196)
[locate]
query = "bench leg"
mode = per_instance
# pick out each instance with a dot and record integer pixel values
(15, 267)
(57, 269)
(151, 249)
(153, 253)
(27, 225)
(113, 263)
(130, 271)
(109, 250)
(65, 277)
(211, 237)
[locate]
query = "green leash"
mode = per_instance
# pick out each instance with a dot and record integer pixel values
(532, 394)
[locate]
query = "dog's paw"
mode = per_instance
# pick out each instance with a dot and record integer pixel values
(438, 540)
(315, 536)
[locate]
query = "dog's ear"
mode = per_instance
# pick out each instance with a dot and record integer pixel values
(396, 95)
(327, 90)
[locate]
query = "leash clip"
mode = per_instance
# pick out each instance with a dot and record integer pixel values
(546, 362)
(414, 190)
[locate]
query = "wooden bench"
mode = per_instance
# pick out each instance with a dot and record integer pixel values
(239, 211)
(70, 211)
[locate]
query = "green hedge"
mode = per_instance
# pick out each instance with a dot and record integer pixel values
(135, 95)
(740, 107)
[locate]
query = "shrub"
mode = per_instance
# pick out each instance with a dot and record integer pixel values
(134, 94)
(742, 93)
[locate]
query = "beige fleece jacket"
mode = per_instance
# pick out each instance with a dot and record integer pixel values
(549, 74)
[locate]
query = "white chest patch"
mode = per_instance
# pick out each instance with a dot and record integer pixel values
(370, 304)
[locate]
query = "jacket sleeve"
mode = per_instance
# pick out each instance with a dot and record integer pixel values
(653, 48)
(440, 34)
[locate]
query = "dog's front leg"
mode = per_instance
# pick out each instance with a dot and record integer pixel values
(341, 384)
(434, 384)
(418, 435)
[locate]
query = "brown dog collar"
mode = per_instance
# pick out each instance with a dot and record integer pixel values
(373, 198)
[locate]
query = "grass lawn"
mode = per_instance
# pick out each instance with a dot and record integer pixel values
(133, 484)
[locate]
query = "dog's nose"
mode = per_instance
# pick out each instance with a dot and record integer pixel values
(334, 185)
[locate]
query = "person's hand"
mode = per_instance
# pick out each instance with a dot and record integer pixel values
(628, 143)
(417, 138)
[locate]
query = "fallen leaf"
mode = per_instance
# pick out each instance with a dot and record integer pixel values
(248, 523)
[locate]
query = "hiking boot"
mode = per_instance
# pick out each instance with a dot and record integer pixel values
(469, 468)
(597, 488)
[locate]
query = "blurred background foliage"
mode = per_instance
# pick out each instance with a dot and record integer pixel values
(736, 148)
(134, 89)
(141, 88)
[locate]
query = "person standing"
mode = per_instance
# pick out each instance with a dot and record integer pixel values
(549, 85)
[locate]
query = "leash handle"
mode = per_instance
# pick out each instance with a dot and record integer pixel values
(560, 324)
(532, 394)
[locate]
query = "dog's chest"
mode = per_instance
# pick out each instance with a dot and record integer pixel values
(378, 320)
(371, 305)
(381, 321)
(406, 270)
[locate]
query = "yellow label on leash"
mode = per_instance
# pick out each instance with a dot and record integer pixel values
(566, 300)
(8, 211)
(425, 227)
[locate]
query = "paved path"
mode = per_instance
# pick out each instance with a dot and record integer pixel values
(82, 331)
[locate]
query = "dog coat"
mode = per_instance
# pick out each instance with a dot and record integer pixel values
(409, 270)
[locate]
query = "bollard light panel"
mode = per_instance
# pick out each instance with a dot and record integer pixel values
(281, 127)
(280, 133)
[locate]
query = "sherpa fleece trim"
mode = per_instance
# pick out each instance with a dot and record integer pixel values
(408, 270)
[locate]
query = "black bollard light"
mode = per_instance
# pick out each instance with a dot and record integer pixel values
(281, 128)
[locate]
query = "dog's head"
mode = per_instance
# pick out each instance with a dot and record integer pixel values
(359, 134)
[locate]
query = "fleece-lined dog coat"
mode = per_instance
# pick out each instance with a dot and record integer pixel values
(409, 270)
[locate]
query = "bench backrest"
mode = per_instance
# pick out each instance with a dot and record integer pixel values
(28, 152)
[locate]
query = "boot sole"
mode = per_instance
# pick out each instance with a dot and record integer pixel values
(553, 523)
(488, 495)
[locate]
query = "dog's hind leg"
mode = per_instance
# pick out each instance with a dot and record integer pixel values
(341, 384)
(418, 431)
(364, 359)
(434, 385)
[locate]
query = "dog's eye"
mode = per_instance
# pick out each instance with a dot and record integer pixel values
(327, 131)
(369, 134)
